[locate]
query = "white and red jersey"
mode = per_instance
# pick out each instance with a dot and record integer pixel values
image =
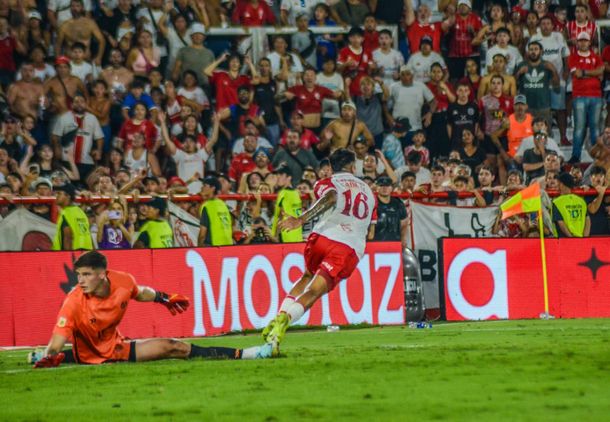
(574, 28)
(348, 222)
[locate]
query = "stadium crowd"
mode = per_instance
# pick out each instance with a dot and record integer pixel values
(132, 97)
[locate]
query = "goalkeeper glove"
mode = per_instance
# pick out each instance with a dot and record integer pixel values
(175, 303)
(50, 361)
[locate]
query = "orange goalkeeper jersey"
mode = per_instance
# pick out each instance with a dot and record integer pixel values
(91, 322)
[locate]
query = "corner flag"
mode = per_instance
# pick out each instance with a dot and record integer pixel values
(526, 200)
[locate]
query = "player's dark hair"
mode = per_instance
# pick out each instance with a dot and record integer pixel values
(92, 259)
(414, 157)
(438, 168)
(341, 158)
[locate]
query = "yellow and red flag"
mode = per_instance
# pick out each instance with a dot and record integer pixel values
(527, 200)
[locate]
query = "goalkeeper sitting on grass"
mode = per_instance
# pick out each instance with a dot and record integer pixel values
(92, 311)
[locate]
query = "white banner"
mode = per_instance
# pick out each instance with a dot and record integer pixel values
(184, 225)
(431, 222)
(23, 230)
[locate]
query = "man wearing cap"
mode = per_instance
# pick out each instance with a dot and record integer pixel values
(388, 59)
(409, 98)
(342, 132)
(80, 28)
(587, 69)
(354, 61)
(78, 132)
(156, 231)
(24, 95)
(293, 157)
(421, 61)
(517, 127)
(570, 213)
(195, 57)
(287, 204)
(73, 231)
(216, 224)
(391, 215)
(61, 88)
(42, 188)
(462, 30)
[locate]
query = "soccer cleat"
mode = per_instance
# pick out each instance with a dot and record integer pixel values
(268, 329)
(275, 337)
(35, 356)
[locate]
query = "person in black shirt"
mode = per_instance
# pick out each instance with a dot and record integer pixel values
(264, 95)
(461, 114)
(533, 158)
(122, 16)
(599, 205)
(391, 214)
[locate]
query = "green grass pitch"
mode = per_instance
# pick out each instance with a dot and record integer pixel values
(520, 370)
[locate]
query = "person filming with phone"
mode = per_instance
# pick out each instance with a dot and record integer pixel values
(113, 229)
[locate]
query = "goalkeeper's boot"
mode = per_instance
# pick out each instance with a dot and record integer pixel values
(275, 337)
(34, 356)
(268, 330)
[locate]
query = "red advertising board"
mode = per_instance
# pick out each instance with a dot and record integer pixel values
(231, 289)
(502, 278)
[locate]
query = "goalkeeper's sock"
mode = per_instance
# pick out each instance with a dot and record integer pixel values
(214, 352)
(288, 300)
(250, 352)
(296, 311)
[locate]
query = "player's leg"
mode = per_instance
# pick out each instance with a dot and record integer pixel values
(156, 349)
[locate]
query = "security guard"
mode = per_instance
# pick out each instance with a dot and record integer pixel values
(570, 211)
(155, 232)
(288, 203)
(216, 224)
(73, 232)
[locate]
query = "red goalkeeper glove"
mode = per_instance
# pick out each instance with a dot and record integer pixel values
(175, 303)
(50, 361)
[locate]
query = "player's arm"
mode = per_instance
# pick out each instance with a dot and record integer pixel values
(174, 302)
(326, 202)
(56, 344)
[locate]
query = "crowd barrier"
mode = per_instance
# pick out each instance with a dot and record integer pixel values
(231, 289)
(502, 278)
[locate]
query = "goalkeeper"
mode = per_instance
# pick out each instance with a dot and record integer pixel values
(92, 311)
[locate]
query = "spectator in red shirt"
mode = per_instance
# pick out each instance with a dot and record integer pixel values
(371, 35)
(308, 99)
(587, 69)
(308, 138)
(244, 162)
(438, 137)
(418, 26)
(354, 60)
(9, 44)
(226, 82)
(581, 23)
(139, 124)
(465, 26)
(252, 13)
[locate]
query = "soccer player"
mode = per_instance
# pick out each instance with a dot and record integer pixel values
(92, 311)
(336, 244)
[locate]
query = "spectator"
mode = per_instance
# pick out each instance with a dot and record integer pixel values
(463, 27)
(194, 57)
(191, 93)
(579, 25)
(421, 61)
(470, 152)
(281, 54)
(462, 114)
(42, 188)
(601, 150)
(570, 211)
(42, 70)
(253, 13)
(472, 79)
(117, 76)
(308, 99)
(342, 132)
(114, 231)
(244, 162)
(371, 35)
(326, 43)
(73, 231)
(443, 95)
(437, 184)
(392, 223)
(354, 61)
(534, 79)
(227, 82)
(418, 25)
(290, 10)
(262, 161)
(82, 129)
(485, 180)
(45, 164)
(392, 147)
(216, 227)
(23, 96)
(552, 165)
(139, 124)
(264, 95)
(81, 68)
(61, 88)
(586, 68)
(80, 28)
(350, 12)
(517, 127)
(371, 106)
(503, 47)
(144, 56)
(387, 59)
(155, 232)
(135, 96)
(555, 50)
(259, 233)
(538, 125)
(422, 174)
(412, 100)
(419, 139)
(236, 115)
(534, 158)
(304, 41)
(293, 158)
(598, 206)
(332, 80)
(99, 105)
(288, 203)
(190, 159)
(139, 159)
(387, 12)
(498, 68)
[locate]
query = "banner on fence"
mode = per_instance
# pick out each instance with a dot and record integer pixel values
(231, 289)
(502, 278)
(23, 230)
(430, 223)
(184, 225)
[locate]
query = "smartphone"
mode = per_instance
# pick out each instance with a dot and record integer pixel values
(115, 215)
(34, 168)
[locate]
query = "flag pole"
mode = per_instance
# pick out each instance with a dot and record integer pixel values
(546, 314)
